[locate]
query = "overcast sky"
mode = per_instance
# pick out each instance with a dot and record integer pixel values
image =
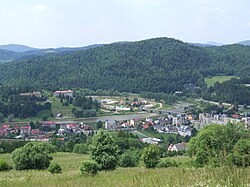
(55, 23)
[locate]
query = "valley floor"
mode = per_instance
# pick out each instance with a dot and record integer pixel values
(129, 177)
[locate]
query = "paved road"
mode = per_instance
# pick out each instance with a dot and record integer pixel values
(113, 118)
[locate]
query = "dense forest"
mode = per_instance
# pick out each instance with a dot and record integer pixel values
(155, 65)
(235, 91)
(12, 104)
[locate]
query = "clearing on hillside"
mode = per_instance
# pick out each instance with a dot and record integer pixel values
(210, 81)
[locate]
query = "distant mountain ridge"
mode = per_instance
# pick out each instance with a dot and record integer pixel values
(17, 48)
(246, 42)
(12, 52)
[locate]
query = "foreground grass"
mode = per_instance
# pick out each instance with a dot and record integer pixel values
(125, 176)
(210, 81)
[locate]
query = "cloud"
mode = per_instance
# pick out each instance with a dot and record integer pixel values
(41, 9)
(140, 2)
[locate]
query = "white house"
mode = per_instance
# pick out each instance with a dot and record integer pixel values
(67, 93)
(178, 147)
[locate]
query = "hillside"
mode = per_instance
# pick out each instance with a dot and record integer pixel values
(133, 177)
(8, 56)
(246, 42)
(157, 65)
(13, 52)
(16, 48)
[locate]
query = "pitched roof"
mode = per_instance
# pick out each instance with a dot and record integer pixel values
(181, 146)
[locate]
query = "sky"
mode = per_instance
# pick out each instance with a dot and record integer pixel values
(72, 23)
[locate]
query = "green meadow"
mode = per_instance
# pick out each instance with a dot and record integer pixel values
(210, 81)
(127, 177)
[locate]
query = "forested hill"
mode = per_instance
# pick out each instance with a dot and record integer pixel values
(7, 56)
(157, 65)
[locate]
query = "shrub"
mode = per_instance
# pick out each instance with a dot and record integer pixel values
(1, 150)
(4, 166)
(220, 145)
(129, 159)
(33, 155)
(44, 118)
(241, 153)
(151, 156)
(54, 168)
(80, 148)
(167, 163)
(89, 168)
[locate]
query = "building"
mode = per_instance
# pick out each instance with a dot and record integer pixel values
(25, 130)
(177, 121)
(32, 94)
(67, 93)
(205, 118)
(178, 147)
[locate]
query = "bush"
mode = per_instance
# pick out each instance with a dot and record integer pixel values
(129, 159)
(54, 168)
(44, 118)
(221, 145)
(9, 147)
(4, 166)
(151, 156)
(80, 148)
(1, 150)
(241, 153)
(89, 168)
(167, 163)
(33, 155)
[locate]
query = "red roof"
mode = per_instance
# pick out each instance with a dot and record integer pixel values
(35, 131)
(235, 116)
(49, 122)
(6, 126)
(145, 126)
(25, 127)
(2, 132)
(149, 123)
(72, 125)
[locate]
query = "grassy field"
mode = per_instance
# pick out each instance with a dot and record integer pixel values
(210, 81)
(132, 177)
(58, 108)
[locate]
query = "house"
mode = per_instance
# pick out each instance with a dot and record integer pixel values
(32, 94)
(159, 128)
(3, 132)
(35, 131)
(67, 93)
(6, 126)
(150, 140)
(172, 129)
(177, 120)
(110, 125)
(178, 147)
(50, 124)
(71, 126)
(25, 130)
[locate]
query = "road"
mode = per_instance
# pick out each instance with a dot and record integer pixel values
(179, 108)
(114, 118)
